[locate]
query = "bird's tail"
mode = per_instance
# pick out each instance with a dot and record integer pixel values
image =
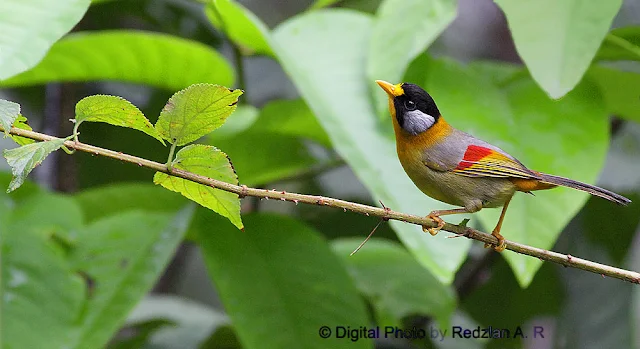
(591, 189)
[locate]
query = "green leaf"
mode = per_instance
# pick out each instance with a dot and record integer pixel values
(195, 111)
(243, 27)
(519, 118)
(210, 162)
(116, 111)
(98, 202)
(558, 49)
(21, 123)
(28, 28)
(123, 256)
(355, 131)
(278, 156)
(153, 59)
(621, 91)
(281, 270)
(9, 112)
(242, 119)
(193, 321)
(281, 153)
(318, 4)
(39, 293)
(25, 158)
(293, 118)
(394, 282)
(621, 44)
(51, 215)
(403, 29)
(142, 332)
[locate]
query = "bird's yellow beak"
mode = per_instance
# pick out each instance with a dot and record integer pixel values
(390, 89)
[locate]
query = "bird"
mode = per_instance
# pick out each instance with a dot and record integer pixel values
(459, 169)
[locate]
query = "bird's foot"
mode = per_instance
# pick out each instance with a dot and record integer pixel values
(434, 230)
(501, 243)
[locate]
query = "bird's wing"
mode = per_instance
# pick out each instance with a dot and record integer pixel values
(482, 161)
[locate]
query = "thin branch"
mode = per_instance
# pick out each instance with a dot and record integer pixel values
(386, 214)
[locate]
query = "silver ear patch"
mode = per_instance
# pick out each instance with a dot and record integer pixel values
(416, 121)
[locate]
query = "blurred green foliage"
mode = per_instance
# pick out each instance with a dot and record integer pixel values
(76, 266)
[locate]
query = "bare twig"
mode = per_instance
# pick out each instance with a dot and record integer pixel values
(384, 213)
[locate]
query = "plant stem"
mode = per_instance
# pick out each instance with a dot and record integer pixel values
(170, 159)
(242, 191)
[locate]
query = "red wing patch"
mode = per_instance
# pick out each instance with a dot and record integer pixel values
(473, 154)
(484, 162)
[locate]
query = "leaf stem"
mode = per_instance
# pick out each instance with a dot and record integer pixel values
(624, 44)
(242, 191)
(170, 159)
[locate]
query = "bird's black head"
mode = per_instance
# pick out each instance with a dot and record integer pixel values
(413, 107)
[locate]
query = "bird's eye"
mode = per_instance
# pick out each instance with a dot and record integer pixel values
(409, 104)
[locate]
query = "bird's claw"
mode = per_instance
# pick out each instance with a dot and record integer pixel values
(434, 230)
(502, 245)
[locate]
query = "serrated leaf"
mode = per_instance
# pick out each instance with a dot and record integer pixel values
(240, 25)
(558, 49)
(9, 112)
(21, 123)
(122, 256)
(25, 158)
(195, 111)
(154, 59)
(402, 30)
(116, 111)
(312, 40)
(394, 282)
(28, 28)
(210, 162)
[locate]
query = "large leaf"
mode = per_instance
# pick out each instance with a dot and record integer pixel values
(9, 112)
(123, 256)
(40, 293)
(212, 163)
(28, 28)
(195, 111)
(115, 111)
(283, 271)
(98, 202)
(558, 39)
(241, 25)
(394, 282)
(50, 215)
(277, 156)
(336, 89)
(621, 91)
(193, 321)
(291, 117)
(519, 119)
(159, 60)
(403, 29)
(25, 158)
(621, 44)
